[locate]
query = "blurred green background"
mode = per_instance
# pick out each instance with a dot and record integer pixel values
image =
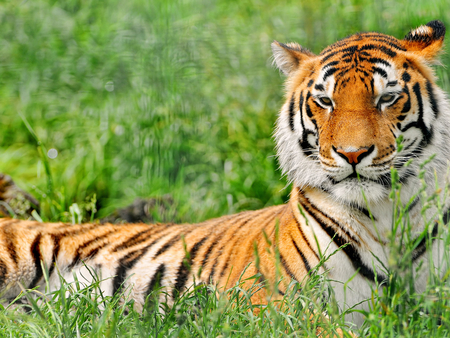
(154, 97)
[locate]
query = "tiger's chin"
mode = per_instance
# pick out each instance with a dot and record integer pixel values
(359, 192)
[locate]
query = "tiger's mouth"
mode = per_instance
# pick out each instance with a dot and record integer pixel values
(356, 178)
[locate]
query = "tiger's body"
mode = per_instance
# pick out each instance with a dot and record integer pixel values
(344, 110)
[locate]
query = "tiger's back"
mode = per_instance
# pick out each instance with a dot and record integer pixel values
(138, 255)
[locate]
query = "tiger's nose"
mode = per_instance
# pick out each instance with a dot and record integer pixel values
(354, 157)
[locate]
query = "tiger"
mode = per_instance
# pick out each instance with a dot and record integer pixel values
(364, 106)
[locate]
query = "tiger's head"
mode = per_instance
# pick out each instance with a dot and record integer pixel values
(346, 107)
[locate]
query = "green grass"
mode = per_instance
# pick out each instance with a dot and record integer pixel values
(145, 98)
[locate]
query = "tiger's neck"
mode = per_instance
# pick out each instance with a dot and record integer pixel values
(353, 243)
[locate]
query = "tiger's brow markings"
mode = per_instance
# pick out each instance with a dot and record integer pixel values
(310, 83)
(319, 87)
(357, 50)
(380, 71)
(329, 72)
(330, 64)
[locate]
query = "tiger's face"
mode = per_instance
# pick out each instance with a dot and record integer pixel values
(347, 106)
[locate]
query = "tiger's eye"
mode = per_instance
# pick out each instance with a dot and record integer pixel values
(386, 98)
(326, 101)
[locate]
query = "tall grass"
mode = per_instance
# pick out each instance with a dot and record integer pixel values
(145, 98)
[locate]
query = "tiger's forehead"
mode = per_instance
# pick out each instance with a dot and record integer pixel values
(360, 57)
(364, 42)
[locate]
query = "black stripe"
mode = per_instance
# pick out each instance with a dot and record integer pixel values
(225, 267)
(422, 245)
(390, 43)
(37, 258)
(319, 87)
(185, 267)
(347, 247)
(168, 244)
(406, 77)
(9, 237)
(129, 261)
(432, 99)
(211, 247)
(304, 237)
(292, 112)
(56, 247)
(302, 256)
(365, 212)
(383, 49)
(446, 217)
(300, 106)
(126, 263)
(310, 83)
(426, 132)
(213, 269)
(3, 272)
(308, 108)
(156, 280)
(286, 267)
(379, 60)
(407, 105)
(77, 258)
(413, 204)
(380, 71)
(329, 72)
(332, 63)
(351, 49)
(392, 83)
(364, 82)
(141, 236)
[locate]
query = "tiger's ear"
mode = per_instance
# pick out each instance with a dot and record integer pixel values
(289, 57)
(426, 40)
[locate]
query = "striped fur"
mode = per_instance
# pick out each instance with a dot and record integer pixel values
(344, 110)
